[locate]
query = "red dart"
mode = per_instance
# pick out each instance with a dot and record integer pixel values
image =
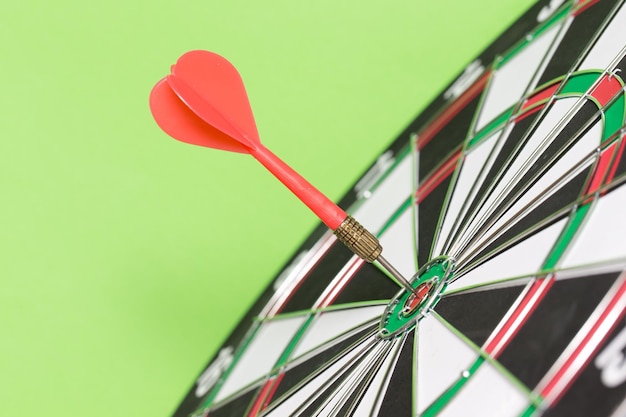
(204, 102)
(185, 105)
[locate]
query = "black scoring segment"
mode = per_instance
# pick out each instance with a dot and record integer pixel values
(601, 387)
(368, 284)
(398, 399)
(318, 279)
(552, 326)
(501, 161)
(450, 137)
(576, 40)
(323, 358)
(477, 313)
(236, 406)
(427, 219)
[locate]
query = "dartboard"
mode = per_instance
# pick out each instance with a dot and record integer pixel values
(504, 201)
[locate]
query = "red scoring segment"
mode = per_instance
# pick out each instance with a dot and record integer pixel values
(204, 102)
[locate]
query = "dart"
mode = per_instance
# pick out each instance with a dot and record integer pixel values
(204, 102)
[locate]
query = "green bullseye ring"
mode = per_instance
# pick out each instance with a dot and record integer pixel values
(406, 309)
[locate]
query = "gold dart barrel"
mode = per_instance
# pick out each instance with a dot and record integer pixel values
(356, 237)
(366, 246)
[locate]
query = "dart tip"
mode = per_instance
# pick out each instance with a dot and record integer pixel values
(398, 276)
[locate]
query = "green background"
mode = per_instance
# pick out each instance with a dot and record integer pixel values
(127, 257)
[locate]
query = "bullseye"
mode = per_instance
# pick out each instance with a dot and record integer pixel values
(407, 308)
(416, 299)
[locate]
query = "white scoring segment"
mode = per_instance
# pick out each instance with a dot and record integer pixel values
(261, 354)
(609, 45)
(488, 393)
(373, 397)
(329, 325)
(441, 359)
(511, 81)
(475, 166)
(361, 372)
(316, 385)
(531, 151)
(399, 244)
(387, 197)
(574, 161)
(525, 258)
(603, 236)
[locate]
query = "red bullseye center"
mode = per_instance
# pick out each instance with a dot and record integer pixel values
(408, 307)
(418, 297)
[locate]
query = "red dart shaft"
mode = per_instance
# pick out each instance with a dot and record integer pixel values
(321, 205)
(347, 229)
